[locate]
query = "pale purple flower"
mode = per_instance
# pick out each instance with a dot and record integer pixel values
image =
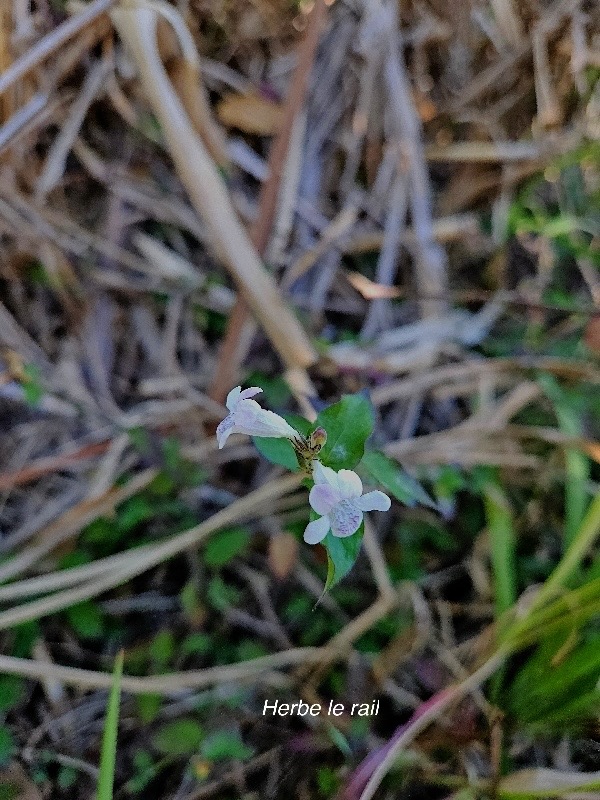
(246, 416)
(338, 499)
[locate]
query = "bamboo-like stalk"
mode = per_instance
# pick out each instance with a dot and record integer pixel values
(182, 63)
(186, 79)
(137, 27)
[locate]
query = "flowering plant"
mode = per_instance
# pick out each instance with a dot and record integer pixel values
(327, 452)
(246, 416)
(338, 498)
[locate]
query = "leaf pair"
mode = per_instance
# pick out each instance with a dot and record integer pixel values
(348, 424)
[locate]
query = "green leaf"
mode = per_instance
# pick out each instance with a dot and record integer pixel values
(275, 391)
(86, 619)
(100, 532)
(162, 649)
(349, 424)
(32, 386)
(7, 745)
(503, 545)
(76, 558)
(404, 488)
(148, 706)
(529, 783)
(133, 512)
(222, 745)
(10, 791)
(546, 695)
(25, 636)
(67, 777)
(342, 553)
(249, 649)
(281, 451)
(225, 545)
(11, 691)
(197, 644)
(163, 485)
(577, 463)
(145, 771)
(301, 424)
(572, 717)
(171, 452)
(299, 605)
(182, 737)
(327, 781)
(277, 451)
(109, 737)
(188, 597)
(222, 595)
(140, 439)
(339, 740)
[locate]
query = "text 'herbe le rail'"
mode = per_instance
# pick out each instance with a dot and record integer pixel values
(276, 708)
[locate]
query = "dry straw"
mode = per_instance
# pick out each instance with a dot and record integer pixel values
(137, 26)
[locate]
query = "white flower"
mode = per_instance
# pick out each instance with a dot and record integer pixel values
(246, 416)
(337, 497)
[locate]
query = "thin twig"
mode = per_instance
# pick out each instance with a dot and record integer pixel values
(163, 684)
(378, 563)
(56, 159)
(431, 268)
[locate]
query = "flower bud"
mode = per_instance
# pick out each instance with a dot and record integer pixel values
(318, 438)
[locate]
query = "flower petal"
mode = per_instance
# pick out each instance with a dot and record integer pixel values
(233, 398)
(349, 482)
(316, 530)
(373, 501)
(276, 425)
(323, 498)
(250, 392)
(345, 518)
(253, 420)
(224, 429)
(324, 475)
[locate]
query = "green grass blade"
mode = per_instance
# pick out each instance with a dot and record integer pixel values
(577, 467)
(529, 634)
(109, 737)
(521, 629)
(576, 493)
(565, 606)
(502, 542)
(502, 537)
(577, 464)
(571, 561)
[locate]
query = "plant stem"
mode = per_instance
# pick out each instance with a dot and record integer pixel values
(109, 737)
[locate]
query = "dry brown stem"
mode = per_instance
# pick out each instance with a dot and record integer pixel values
(137, 27)
(253, 670)
(240, 328)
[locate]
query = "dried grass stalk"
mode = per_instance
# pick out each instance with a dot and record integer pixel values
(137, 27)
(52, 42)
